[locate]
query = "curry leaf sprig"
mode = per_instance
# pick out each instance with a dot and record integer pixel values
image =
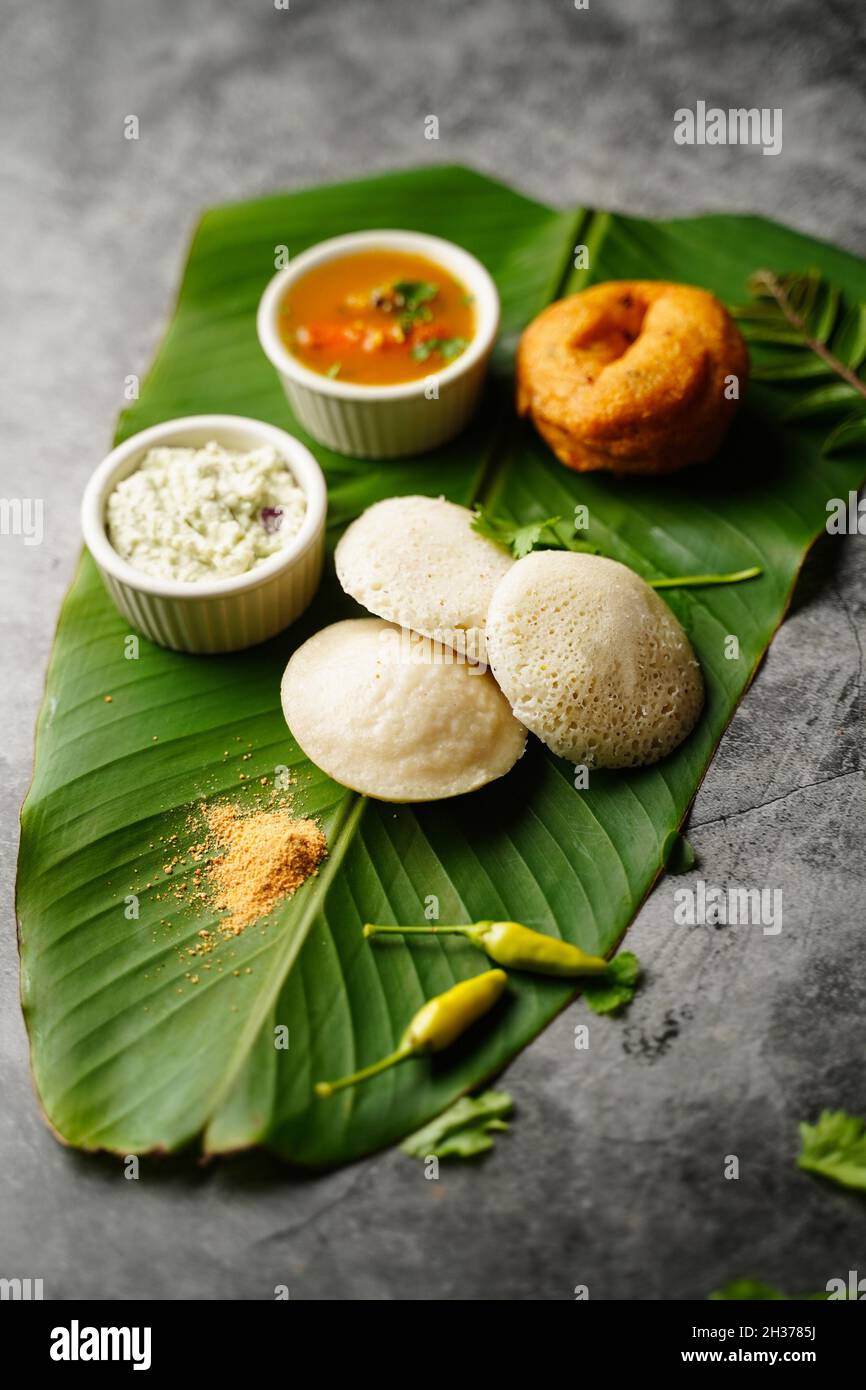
(820, 338)
(523, 538)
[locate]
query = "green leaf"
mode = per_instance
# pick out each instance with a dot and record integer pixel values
(520, 540)
(678, 854)
(755, 1291)
(124, 1061)
(463, 1130)
(776, 333)
(849, 343)
(850, 434)
(824, 400)
(835, 1147)
(758, 311)
(790, 366)
(826, 337)
(615, 989)
(822, 316)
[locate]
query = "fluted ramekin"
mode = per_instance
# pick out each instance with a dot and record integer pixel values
(219, 615)
(384, 421)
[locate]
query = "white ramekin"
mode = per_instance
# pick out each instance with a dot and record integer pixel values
(220, 615)
(384, 421)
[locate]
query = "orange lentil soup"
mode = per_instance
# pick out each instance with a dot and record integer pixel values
(377, 318)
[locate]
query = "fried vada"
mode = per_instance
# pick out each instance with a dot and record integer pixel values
(635, 376)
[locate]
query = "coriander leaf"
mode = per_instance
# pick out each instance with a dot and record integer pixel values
(446, 347)
(616, 988)
(408, 318)
(463, 1130)
(451, 347)
(334, 369)
(516, 538)
(678, 855)
(421, 351)
(414, 293)
(835, 1147)
(754, 1291)
(525, 538)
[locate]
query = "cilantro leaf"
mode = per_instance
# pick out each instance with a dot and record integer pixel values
(835, 1147)
(451, 347)
(520, 540)
(516, 538)
(463, 1130)
(616, 988)
(446, 347)
(408, 318)
(414, 293)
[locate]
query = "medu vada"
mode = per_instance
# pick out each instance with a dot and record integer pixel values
(636, 376)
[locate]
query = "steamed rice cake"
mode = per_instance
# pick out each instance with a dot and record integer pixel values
(592, 660)
(395, 715)
(416, 561)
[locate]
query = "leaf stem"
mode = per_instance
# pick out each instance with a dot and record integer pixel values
(327, 1088)
(371, 929)
(696, 581)
(772, 284)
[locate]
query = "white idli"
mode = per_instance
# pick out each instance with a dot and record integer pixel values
(396, 716)
(416, 561)
(592, 660)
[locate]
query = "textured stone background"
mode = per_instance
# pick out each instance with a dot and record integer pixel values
(612, 1174)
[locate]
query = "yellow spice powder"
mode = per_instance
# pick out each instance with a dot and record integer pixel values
(266, 856)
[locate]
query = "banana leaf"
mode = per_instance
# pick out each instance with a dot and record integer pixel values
(128, 1053)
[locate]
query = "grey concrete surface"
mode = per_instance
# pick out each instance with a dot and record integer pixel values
(611, 1176)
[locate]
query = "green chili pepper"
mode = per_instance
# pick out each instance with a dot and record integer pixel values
(437, 1024)
(511, 944)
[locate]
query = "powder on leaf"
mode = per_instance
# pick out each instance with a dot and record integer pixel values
(266, 856)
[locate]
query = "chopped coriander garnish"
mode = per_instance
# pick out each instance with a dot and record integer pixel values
(421, 315)
(334, 369)
(411, 294)
(421, 351)
(451, 347)
(446, 347)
